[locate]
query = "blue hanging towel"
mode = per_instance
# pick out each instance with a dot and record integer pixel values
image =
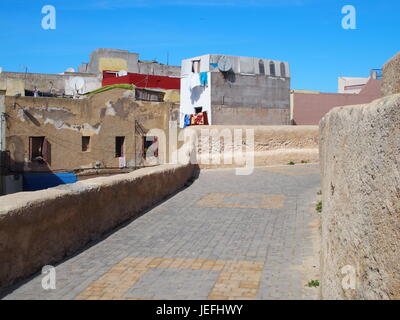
(186, 121)
(204, 78)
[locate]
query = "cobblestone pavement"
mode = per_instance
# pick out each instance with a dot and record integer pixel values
(224, 237)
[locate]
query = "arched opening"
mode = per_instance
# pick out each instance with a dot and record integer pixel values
(261, 67)
(272, 69)
(283, 70)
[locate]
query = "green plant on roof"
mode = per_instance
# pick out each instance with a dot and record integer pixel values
(313, 283)
(318, 207)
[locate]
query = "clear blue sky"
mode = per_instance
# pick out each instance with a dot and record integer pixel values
(306, 33)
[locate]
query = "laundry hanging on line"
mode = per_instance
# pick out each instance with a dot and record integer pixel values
(204, 78)
(186, 121)
(199, 118)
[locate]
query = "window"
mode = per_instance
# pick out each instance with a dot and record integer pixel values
(196, 66)
(119, 146)
(148, 95)
(39, 149)
(272, 69)
(85, 143)
(150, 147)
(261, 67)
(283, 70)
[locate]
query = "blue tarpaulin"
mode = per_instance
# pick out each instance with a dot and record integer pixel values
(40, 181)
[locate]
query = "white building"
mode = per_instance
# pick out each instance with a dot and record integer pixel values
(236, 90)
(354, 85)
(351, 84)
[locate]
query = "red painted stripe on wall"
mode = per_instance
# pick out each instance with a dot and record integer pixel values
(143, 81)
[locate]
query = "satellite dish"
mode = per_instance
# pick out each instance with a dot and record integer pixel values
(77, 83)
(122, 73)
(224, 64)
(70, 70)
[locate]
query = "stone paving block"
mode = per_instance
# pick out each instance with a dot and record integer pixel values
(167, 281)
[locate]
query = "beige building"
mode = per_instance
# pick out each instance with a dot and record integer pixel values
(103, 133)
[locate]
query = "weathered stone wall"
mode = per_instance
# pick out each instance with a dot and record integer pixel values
(41, 228)
(272, 144)
(250, 100)
(250, 116)
(2, 141)
(360, 166)
(391, 76)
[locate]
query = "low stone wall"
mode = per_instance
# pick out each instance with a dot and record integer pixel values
(42, 227)
(360, 166)
(250, 116)
(391, 76)
(272, 145)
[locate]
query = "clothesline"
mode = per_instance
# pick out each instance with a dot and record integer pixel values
(198, 79)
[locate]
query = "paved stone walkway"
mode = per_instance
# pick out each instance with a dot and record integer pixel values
(224, 237)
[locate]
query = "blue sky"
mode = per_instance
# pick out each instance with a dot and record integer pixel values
(306, 33)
